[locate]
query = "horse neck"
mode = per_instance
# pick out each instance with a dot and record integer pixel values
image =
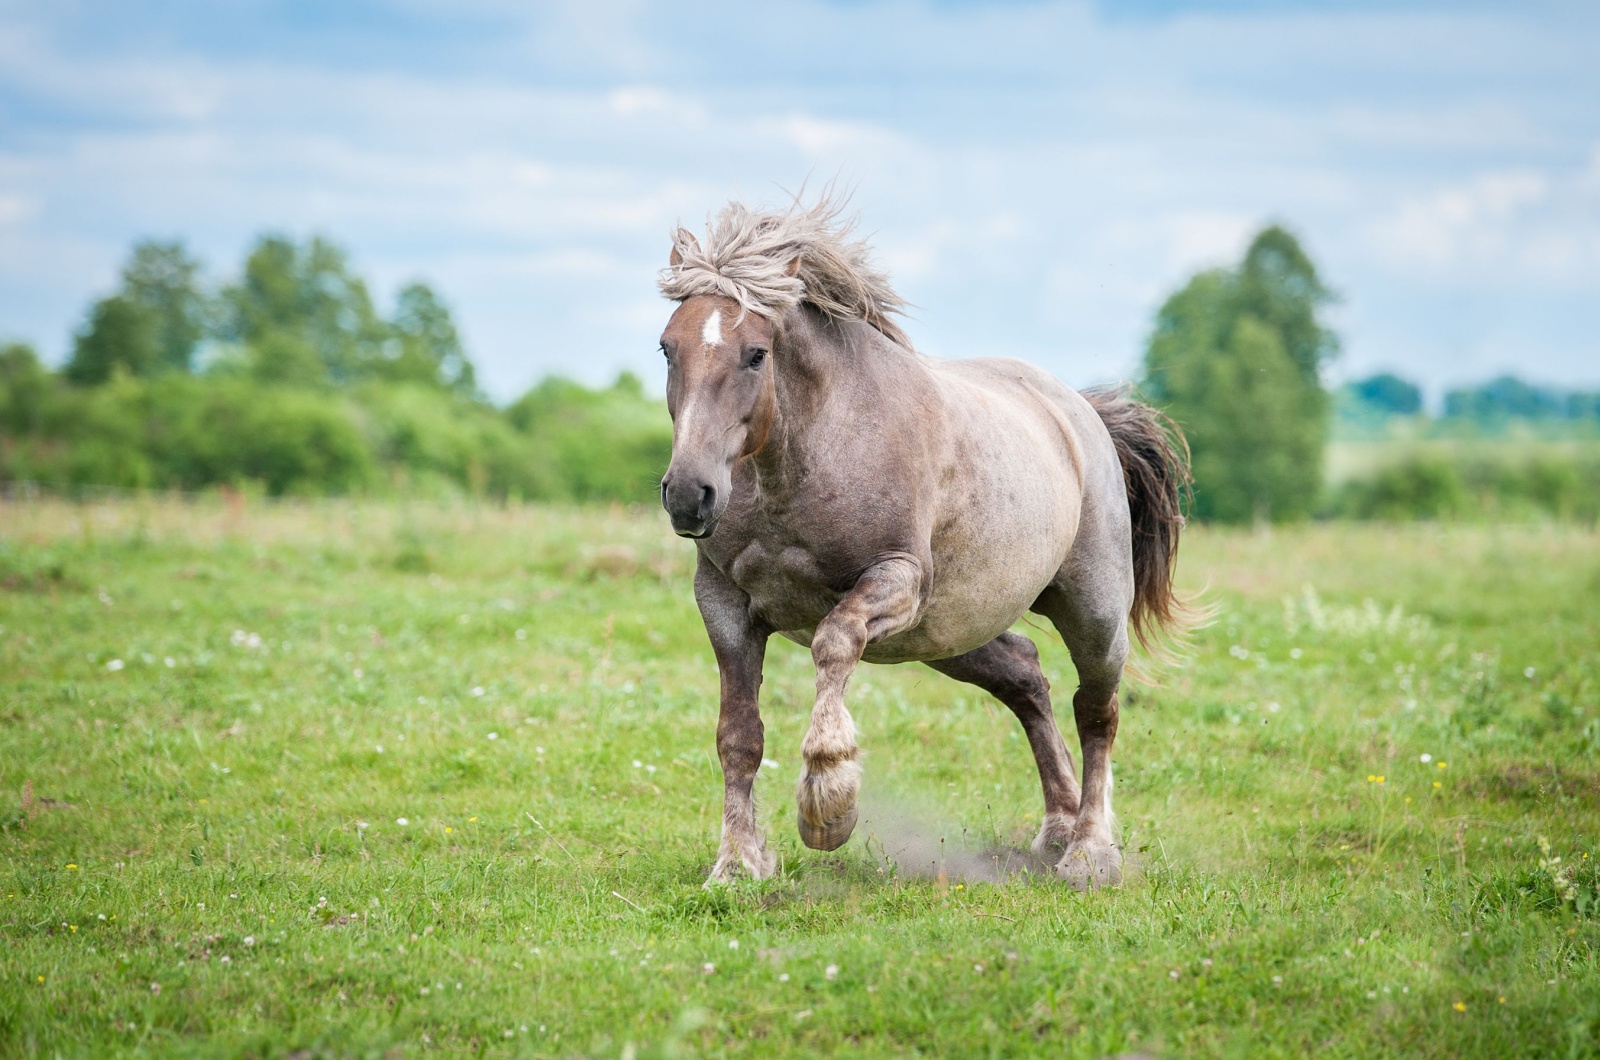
(818, 364)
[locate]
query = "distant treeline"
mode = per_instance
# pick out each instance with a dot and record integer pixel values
(1377, 402)
(288, 379)
(1505, 449)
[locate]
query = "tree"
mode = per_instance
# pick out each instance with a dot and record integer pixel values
(1236, 359)
(24, 386)
(164, 279)
(152, 324)
(427, 346)
(1504, 398)
(301, 316)
(120, 334)
(1388, 393)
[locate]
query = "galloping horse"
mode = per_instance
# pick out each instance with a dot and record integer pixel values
(874, 504)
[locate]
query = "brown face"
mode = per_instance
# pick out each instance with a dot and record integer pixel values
(721, 394)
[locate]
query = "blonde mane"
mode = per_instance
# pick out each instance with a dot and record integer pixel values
(770, 262)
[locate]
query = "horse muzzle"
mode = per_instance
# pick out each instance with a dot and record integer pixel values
(693, 505)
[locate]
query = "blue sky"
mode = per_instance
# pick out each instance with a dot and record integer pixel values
(1037, 176)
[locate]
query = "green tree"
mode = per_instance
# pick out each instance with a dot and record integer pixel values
(25, 385)
(1388, 394)
(165, 280)
(120, 335)
(426, 346)
(299, 315)
(1236, 359)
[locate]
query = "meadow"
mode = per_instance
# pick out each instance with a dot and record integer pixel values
(351, 778)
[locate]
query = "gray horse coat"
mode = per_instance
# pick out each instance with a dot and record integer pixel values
(875, 504)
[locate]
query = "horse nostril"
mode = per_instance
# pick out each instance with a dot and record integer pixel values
(708, 500)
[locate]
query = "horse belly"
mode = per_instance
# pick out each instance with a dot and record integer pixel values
(990, 564)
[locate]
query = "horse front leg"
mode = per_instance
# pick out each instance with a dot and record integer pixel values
(885, 600)
(740, 646)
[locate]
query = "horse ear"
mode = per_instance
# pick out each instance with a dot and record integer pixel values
(794, 267)
(680, 237)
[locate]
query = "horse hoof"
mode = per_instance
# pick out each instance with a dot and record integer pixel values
(758, 865)
(1090, 866)
(830, 835)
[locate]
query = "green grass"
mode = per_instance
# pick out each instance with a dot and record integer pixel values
(203, 856)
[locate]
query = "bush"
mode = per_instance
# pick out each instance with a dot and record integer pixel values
(1418, 488)
(1435, 486)
(563, 441)
(611, 444)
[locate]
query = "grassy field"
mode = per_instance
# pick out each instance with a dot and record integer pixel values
(349, 780)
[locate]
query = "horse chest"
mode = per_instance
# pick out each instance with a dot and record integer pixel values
(788, 589)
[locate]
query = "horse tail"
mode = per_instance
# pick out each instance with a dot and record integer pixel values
(1155, 469)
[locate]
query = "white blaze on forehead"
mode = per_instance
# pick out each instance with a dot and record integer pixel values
(712, 332)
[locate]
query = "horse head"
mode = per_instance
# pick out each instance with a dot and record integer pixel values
(722, 397)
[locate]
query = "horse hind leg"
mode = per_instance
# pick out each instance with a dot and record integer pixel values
(1093, 621)
(1008, 669)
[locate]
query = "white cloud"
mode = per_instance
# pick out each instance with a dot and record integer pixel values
(1515, 227)
(14, 208)
(1036, 177)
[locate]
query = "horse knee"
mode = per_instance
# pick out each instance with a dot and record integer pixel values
(837, 645)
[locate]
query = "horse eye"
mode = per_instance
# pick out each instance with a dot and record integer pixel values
(663, 348)
(757, 356)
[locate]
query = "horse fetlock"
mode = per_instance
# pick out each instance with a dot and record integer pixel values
(1089, 864)
(757, 862)
(826, 799)
(1055, 834)
(830, 739)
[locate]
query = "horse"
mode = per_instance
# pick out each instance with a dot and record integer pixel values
(874, 504)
